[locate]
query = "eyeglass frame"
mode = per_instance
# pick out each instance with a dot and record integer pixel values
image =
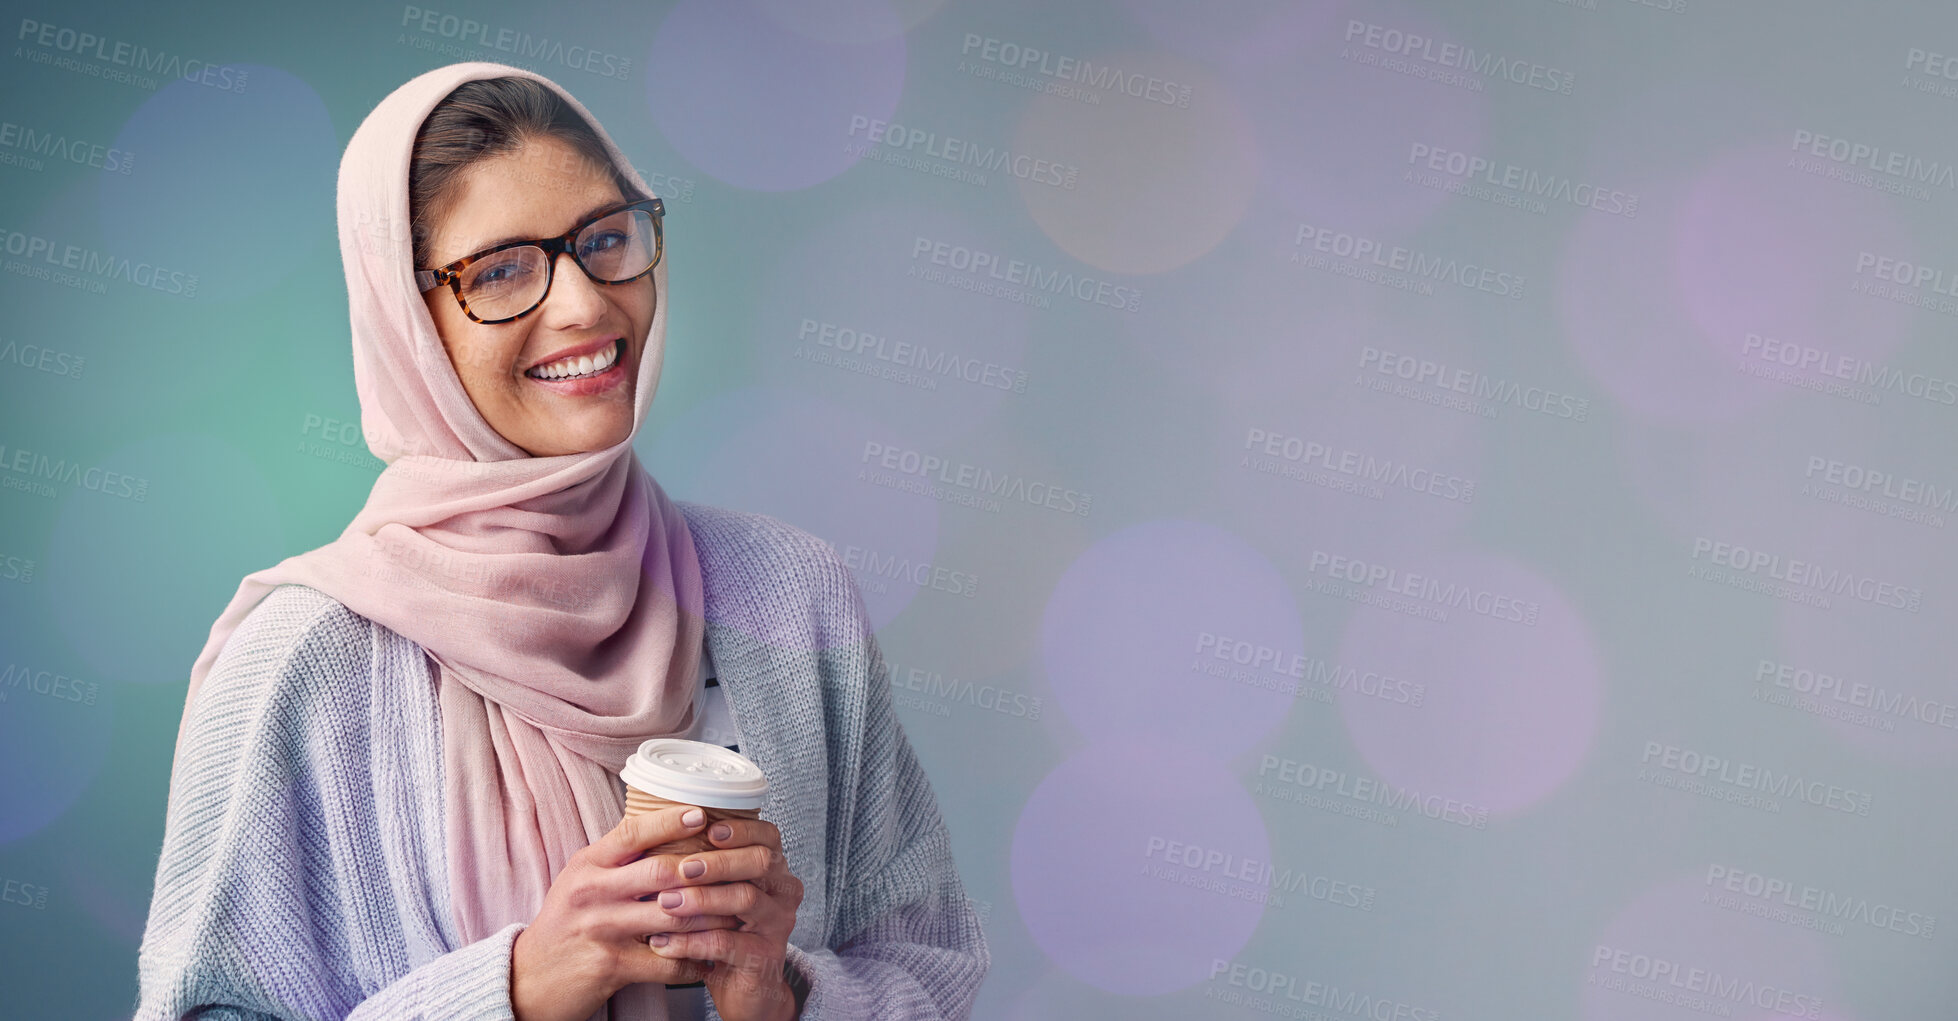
(429, 279)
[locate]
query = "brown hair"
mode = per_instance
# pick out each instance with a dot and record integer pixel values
(483, 119)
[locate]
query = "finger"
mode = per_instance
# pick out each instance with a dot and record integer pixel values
(765, 866)
(741, 900)
(645, 878)
(749, 952)
(627, 841)
(739, 832)
(646, 922)
(754, 861)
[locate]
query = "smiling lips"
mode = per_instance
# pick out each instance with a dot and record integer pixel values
(581, 366)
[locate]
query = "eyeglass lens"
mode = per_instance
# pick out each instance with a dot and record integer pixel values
(619, 247)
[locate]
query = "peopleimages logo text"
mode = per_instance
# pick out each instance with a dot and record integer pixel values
(1747, 776)
(1299, 667)
(1448, 594)
(1359, 465)
(1230, 865)
(1414, 46)
(1806, 575)
(944, 691)
(1020, 273)
(1825, 903)
(29, 464)
(1372, 791)
(1859, 694)
(965, 152)
(974, 479)
(1882, 483)
(921, 573)
(102, 265)
(106, 158)
(1931, 63)
(1865, 156)
(1472, 383)
(1710, 991)
(934, 363)
(1906, 273)
(1861, 371)
(1510, 177)
(1106, 77)
(469, 32)
(1295, 995)
(115, 52)
(1417, 265)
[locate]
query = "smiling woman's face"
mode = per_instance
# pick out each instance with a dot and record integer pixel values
(541, 190)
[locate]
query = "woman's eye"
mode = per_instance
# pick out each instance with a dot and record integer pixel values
(604, 242)
(502, 273)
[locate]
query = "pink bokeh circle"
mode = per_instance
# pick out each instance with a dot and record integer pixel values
(1173, 631)
(1130, 865)
(1513, 678)
(1670, 923)
(1140, 184)
(760, 105)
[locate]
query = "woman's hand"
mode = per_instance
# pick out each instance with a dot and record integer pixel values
(588, 940)
(748, 878)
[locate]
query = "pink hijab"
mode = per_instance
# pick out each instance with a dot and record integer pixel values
(559, 597)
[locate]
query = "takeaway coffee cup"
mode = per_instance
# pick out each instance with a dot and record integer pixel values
(668, 771)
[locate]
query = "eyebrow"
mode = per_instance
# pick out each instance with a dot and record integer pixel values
(582, 217)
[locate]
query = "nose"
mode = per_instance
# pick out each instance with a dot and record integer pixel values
(575, 300)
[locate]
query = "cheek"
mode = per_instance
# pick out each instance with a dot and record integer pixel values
(482, 356)
(638, 302)
(443, 312)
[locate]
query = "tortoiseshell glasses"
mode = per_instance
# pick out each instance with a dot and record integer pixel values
(509, 281)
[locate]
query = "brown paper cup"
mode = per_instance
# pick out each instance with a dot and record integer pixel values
(638, 802)
(668, 771)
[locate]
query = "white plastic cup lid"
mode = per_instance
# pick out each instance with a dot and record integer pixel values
(696, 773)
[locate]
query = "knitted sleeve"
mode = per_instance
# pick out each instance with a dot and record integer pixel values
(904, 940)
(280, 891)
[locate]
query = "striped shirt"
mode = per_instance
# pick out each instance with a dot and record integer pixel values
(689, 1002)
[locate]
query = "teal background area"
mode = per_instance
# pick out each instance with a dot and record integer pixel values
(1446, 510)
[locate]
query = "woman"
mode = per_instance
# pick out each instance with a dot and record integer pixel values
(395, 789)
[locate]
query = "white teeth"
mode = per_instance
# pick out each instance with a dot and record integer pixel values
(582, 365)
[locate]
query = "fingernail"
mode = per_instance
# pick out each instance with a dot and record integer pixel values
(693, 817)
(659, 939)
(721, 832)
(670, 899)
(693, 869)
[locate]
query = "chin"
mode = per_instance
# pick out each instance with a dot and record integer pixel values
(569, 439)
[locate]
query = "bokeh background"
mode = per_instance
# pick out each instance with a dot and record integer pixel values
(1375, 509)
